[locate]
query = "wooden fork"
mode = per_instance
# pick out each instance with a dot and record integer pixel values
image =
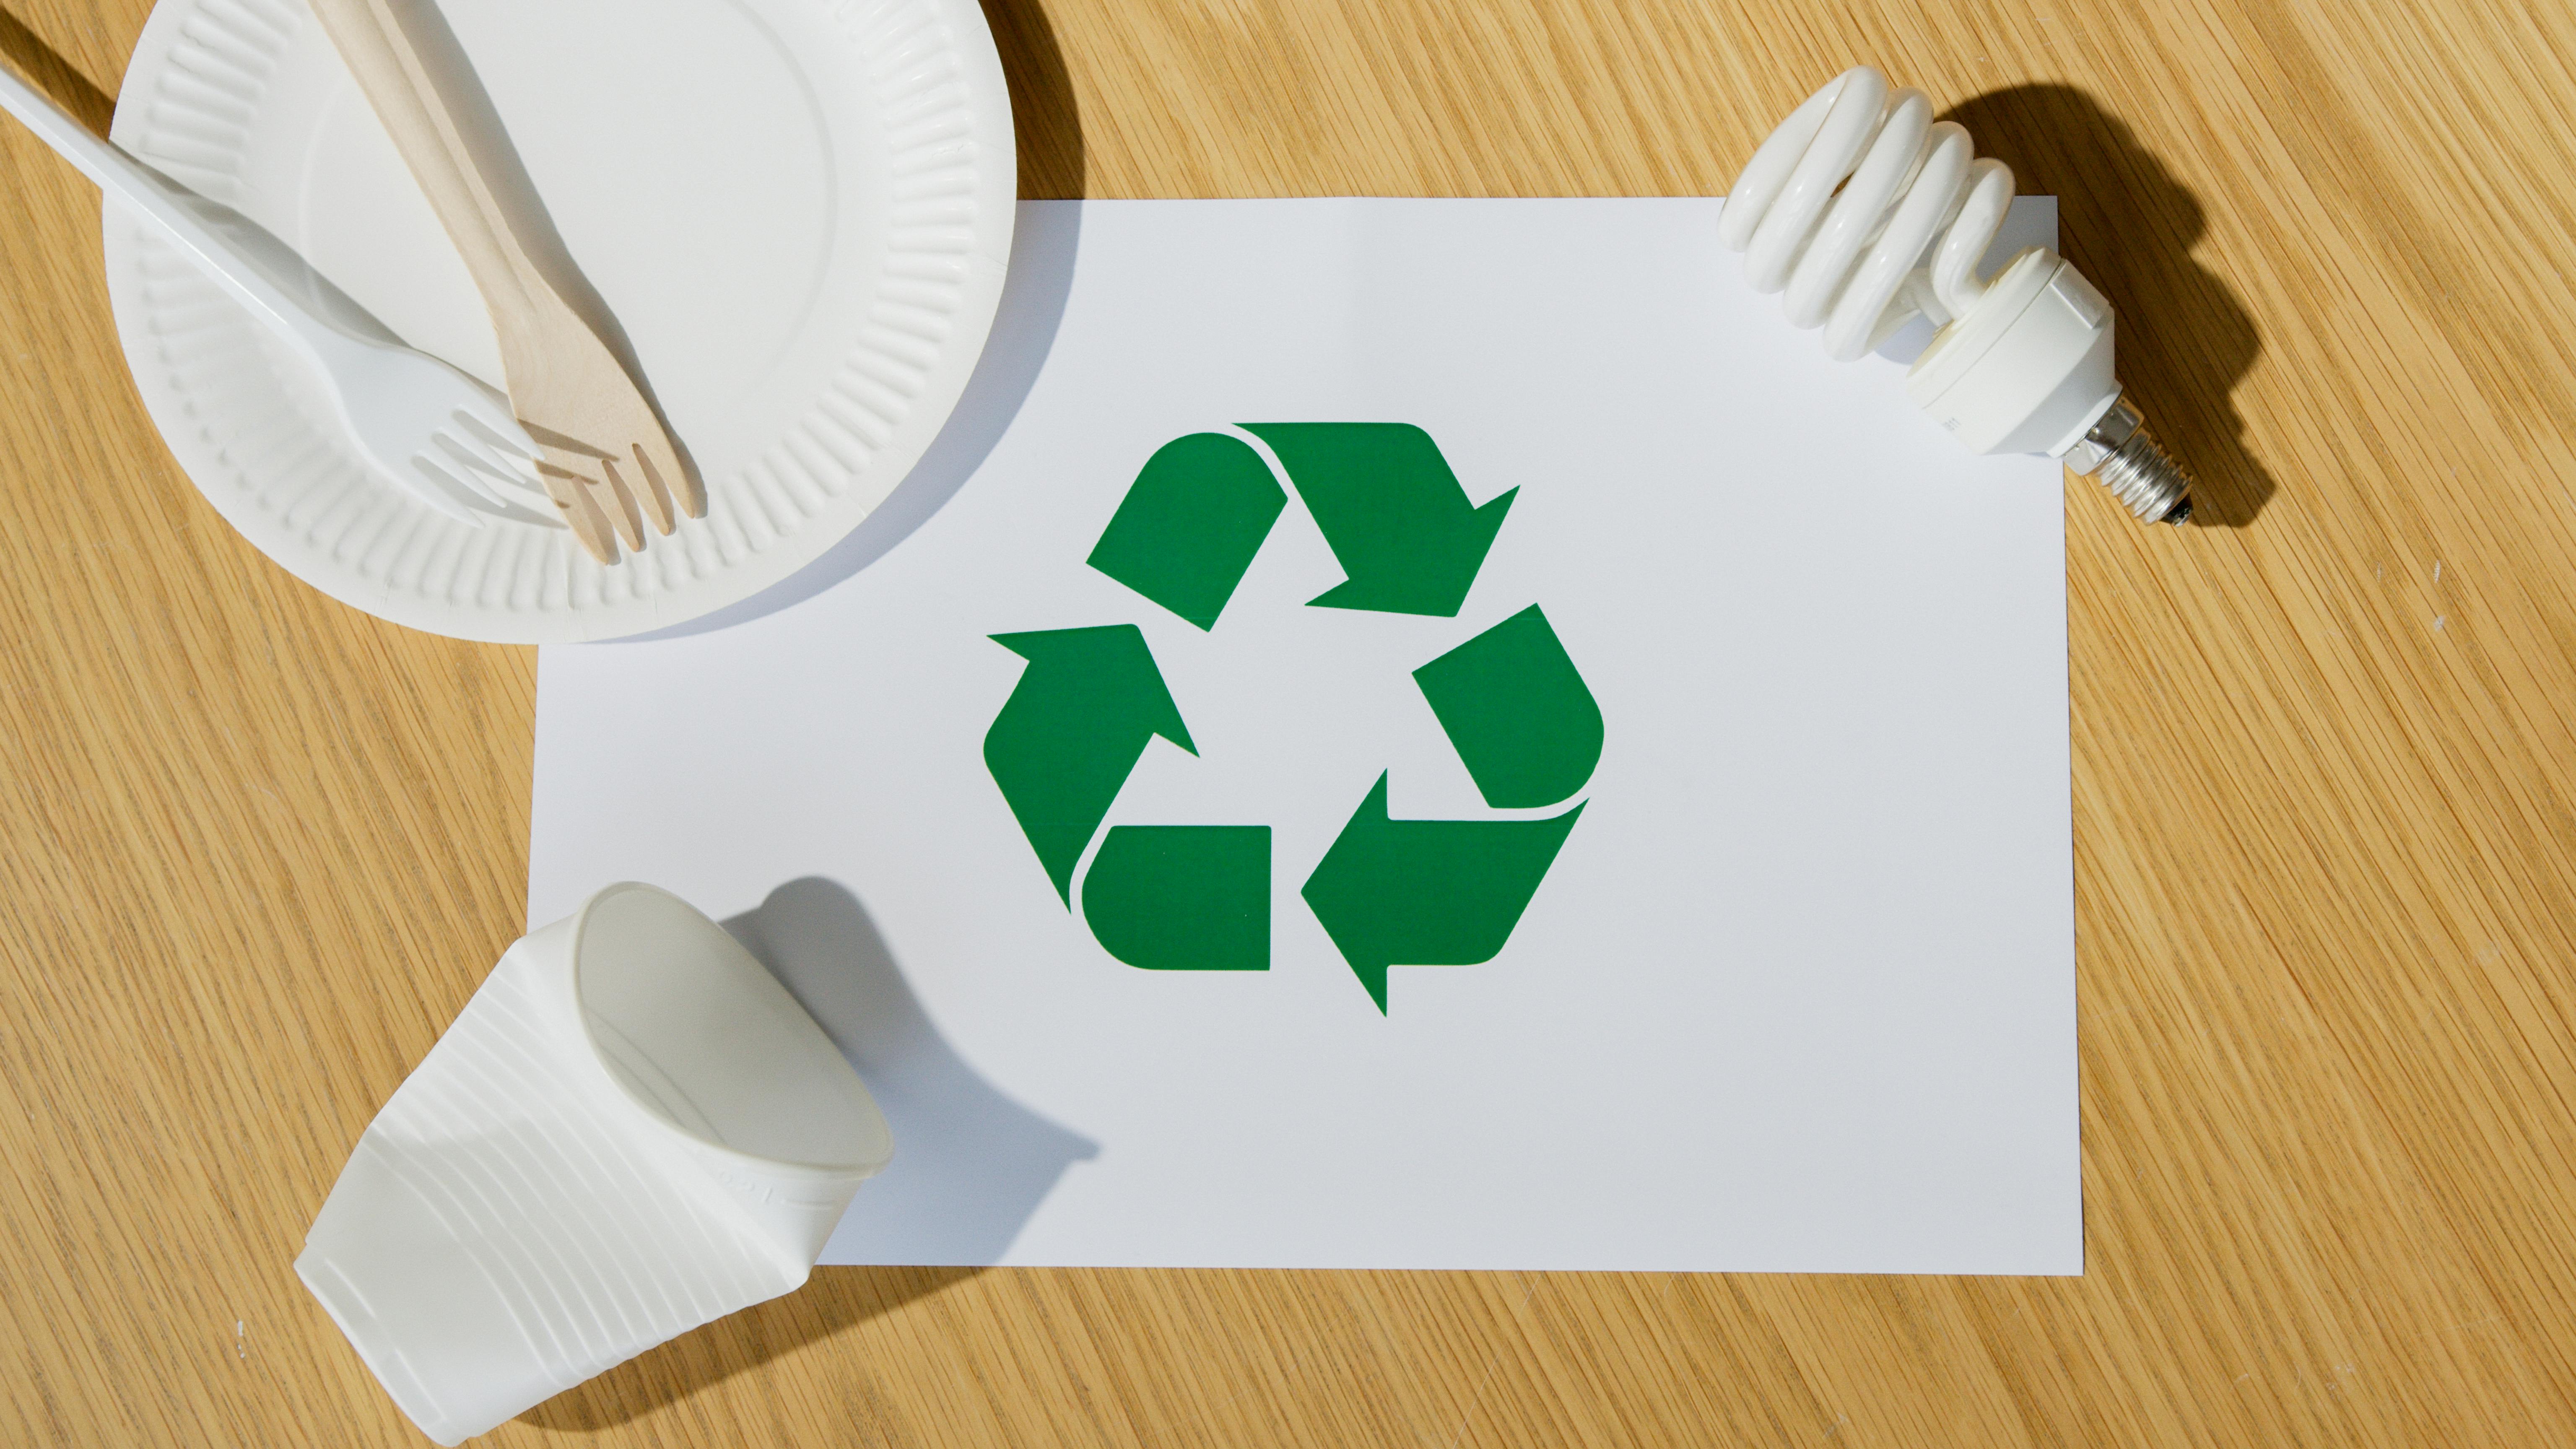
(608, 464)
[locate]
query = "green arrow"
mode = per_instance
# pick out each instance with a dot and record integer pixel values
(1190, 524)
(1517, 711)
(1391, 510)
(1428, 892)
(1074, 726)
(1182, 897)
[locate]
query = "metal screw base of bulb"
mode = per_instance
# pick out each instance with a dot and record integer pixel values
(2122, 456)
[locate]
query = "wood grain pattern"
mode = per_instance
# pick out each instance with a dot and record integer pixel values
(255, 849)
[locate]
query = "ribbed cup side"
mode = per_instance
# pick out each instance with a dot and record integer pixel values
(592, 1241)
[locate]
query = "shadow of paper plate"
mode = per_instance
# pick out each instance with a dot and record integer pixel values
(1046, 120)
(1043, 243)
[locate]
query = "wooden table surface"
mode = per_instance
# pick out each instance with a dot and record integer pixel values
(256, 848)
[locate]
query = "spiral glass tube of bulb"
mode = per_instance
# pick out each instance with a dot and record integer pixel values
(1868, 213)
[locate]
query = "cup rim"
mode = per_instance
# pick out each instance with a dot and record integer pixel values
(815, 1171)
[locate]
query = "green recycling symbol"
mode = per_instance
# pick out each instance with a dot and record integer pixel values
(1388, 892)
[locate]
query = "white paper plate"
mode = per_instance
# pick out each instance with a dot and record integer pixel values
(798, 211)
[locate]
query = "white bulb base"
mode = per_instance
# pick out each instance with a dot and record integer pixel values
(2028, 370)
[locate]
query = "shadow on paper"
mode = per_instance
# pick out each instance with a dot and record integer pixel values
(970, 1164)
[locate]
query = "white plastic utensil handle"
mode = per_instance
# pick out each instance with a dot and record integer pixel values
(334, 337)
(199, 226)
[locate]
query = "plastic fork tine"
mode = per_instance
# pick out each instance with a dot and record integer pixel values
(493, 483)
(467, 473)
(448, 493)
(496, 426)
(467, 445)
(443, 463)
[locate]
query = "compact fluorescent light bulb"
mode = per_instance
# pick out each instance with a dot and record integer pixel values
(1868, 213)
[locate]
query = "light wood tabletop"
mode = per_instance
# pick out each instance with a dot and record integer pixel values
(256, 848)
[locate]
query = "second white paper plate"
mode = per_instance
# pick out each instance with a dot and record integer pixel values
(799, 212)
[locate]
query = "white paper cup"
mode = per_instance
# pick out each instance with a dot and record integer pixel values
(630, 1130)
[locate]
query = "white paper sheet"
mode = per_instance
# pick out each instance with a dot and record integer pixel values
(1797, 992)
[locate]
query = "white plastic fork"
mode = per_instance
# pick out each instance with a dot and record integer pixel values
(442, 435)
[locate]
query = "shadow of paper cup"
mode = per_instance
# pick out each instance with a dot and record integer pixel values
(630, 1130)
